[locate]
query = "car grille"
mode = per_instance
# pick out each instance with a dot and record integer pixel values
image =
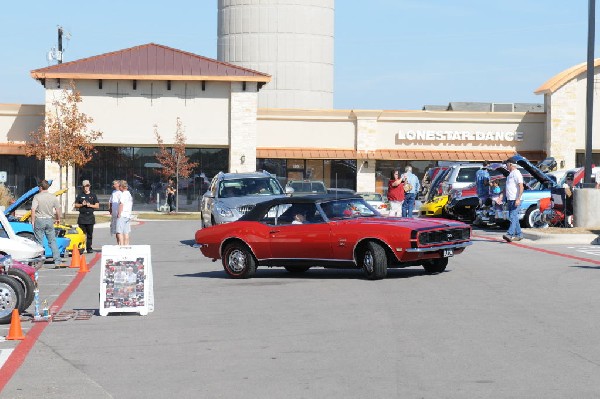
(244, 209)
(444, 236)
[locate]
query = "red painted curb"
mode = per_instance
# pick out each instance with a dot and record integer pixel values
(17, 357)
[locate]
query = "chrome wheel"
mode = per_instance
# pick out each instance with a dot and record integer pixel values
(9, 300)
(237, 260)
(368, 262)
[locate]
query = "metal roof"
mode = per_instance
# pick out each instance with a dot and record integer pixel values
(150, 62)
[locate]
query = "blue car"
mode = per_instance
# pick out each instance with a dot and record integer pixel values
(25, 229)
(538, 188)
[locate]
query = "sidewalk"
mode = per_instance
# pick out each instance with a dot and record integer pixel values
(538, 236)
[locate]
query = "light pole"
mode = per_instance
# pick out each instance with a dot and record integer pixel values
(589, 103)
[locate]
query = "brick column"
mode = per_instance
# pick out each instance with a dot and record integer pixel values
(561, 124)
(242, 127)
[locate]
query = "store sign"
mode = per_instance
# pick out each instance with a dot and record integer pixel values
(458, 135)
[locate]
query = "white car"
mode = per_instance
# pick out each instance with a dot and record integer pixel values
(377, 201)
(19, 248)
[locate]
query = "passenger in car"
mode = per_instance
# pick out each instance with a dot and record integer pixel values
(299, 218)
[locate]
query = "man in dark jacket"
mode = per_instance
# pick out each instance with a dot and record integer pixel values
(86, 202)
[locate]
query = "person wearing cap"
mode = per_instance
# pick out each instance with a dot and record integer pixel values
(86, 202)
(44, 208)
(513, 192)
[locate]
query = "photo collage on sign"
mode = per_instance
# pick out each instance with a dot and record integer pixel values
(124, 283)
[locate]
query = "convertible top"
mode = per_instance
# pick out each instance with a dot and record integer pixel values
(261, 207)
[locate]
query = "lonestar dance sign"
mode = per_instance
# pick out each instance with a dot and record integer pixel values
(458, 135)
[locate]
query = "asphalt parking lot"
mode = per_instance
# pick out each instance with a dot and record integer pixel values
(504, 320)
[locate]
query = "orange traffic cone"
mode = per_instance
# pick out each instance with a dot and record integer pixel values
(83, 265)
(75, 259)
(15, 332)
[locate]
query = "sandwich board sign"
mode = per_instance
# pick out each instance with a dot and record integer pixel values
(126, 282)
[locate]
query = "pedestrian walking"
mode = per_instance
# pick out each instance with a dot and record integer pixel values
(124, 214)
(513, 192)
(45, 207)
(395, 193)
(113, 207)
(171, 191)
(411, 188)
(86, 202)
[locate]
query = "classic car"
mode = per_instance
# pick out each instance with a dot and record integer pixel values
(537, 188)
(11, 297)
(20, 248)
(435, 207)
(72, 232)
(23, 228)
(23, 274)
(343, 232)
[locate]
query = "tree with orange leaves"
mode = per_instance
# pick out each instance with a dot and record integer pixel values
(64, 138)
(173, 160)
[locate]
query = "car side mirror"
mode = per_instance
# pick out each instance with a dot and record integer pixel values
(289, 190)
(209, 194)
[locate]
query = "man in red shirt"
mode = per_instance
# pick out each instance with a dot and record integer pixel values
(395, 194)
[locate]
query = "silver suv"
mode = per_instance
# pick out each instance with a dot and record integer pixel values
(460, 176)
(232, 195)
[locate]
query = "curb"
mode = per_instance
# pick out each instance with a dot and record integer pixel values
(542, 238)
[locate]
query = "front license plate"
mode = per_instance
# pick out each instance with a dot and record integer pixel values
(448, 253)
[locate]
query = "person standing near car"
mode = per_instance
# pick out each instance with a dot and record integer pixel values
(86, 202)
(395, 193)
(124, 214)
(513, 192)
(411, 188)
(44, 208)
(171, 191)
(113, 207)
(482, 182)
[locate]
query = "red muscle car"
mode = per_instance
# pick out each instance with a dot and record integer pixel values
(301, 232)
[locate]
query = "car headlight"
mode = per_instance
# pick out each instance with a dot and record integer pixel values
(7, 262)
(224, 211)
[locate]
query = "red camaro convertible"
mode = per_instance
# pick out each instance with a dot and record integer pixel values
(301, 232)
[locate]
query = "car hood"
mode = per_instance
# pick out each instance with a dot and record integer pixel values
(534, 171)
(412, 223)
(22, 199)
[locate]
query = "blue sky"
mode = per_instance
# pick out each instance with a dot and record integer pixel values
(389, 54)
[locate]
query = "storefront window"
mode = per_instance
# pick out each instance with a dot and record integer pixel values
(22, 173)
(340, 173)
(139, 166)
(384, 169)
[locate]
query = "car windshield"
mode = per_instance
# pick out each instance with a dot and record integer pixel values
(308, 187)
(466, 175)
(249, 186)
(347, 208)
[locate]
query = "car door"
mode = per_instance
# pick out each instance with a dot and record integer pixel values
(309, 240)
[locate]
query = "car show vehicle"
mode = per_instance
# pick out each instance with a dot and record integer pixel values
(20, 248)
(11, 297)
(232, 195)
(533, 192)
(435, 207)
(298, 233)
(23, 227)
(23, 274)
(377, 201)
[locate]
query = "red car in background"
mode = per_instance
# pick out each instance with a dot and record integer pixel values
(298, 233)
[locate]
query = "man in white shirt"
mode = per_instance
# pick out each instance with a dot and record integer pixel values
(124, 214)
(514, 191)
(113, 208)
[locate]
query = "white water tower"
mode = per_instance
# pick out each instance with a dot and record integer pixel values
(292, 40)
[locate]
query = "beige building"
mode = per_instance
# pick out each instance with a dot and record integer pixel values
(132, 91)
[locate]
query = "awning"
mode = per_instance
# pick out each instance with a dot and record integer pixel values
(12, 149)
(416, 155)
(306, 153)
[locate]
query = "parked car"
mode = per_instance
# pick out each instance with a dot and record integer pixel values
(435, 207)
(23, 227)
(303, 187)
(232, 195)
(341, 191)
(460, 175)
(343, 232)
(534, 191)
(377, 201)
(23, 274)
(11, 297)
(19, 248)
(435, 189)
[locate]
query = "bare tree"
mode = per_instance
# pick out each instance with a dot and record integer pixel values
(64, 137)
(173, 160)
